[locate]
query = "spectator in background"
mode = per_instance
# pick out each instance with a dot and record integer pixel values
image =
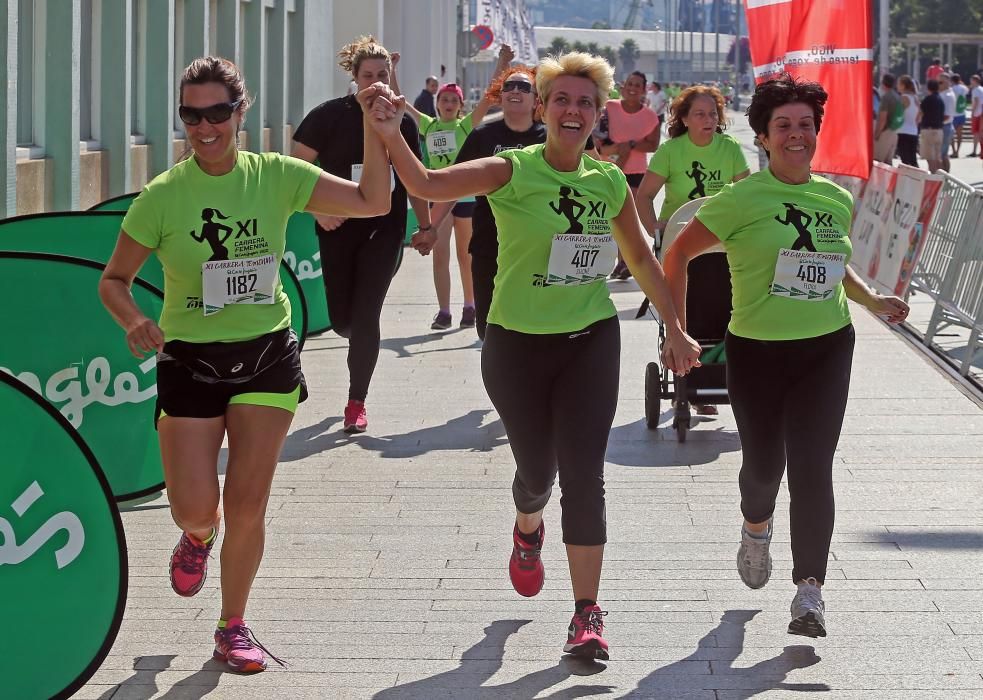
(888, 121)
(933, 71)
(908, 133)
(949, 100)
(962, 101)
(931, 117)
(657, 103)
(976, 111)
(425, 102)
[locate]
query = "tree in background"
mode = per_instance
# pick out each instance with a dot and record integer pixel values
(558, 45)
(628, 53)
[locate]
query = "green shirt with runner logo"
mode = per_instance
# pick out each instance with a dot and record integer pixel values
(531, 210)
(693, 171)
(755, 219)
(189, 217)
(442, 141)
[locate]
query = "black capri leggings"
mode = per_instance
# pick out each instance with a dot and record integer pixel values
(556, 395)
(483, 271)
(788, 397)
(908, 149)
(358, 269)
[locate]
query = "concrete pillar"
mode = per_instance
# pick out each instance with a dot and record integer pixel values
(311, 72)
(254, 64)
(227, 20)
(162, 94)
(276, 66)
(116, 104)
(352, 20)
(63, 36)
(196, 24)
(8, 112)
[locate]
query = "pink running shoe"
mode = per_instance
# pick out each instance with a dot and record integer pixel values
(189, 564)
(585, 634)
(237, 646)
(355, 419)
(526, 566)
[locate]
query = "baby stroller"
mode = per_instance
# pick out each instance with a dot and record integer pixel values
(708, 302)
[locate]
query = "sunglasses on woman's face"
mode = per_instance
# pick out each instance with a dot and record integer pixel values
(520, 85)
(214, 114)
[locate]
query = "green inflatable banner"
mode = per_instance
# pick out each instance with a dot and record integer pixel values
(120, 203)
(63, 564)
(65, 346)
(303, 256)
(91, 235)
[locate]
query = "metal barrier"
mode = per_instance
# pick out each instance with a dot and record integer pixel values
(950, 269)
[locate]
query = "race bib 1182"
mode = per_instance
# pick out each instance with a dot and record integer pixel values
(244, 281)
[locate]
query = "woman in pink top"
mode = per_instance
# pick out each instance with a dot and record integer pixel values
(634, 131)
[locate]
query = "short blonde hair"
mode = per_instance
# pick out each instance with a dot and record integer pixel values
(351, 55)
(578, 65)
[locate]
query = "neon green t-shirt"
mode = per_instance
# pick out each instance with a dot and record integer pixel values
(693, 171)
(190, 218)
(755, 219)
(442, 140)
(545, 218)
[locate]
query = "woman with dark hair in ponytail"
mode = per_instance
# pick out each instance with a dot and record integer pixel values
(228, 365)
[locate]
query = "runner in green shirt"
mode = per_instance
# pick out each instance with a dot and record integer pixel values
(227, 362)
(551, 352)
(696, 161)
(442, 139)
(790, 341)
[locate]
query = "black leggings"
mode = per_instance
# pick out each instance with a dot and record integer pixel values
(483, 271)
(556, 395)
(908, 149)
(358, 269)
(788, 397)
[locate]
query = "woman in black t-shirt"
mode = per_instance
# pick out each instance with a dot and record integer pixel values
(359, 256)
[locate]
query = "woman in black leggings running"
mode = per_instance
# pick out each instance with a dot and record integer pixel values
(790, 340)
(359, 256)
(550, 361)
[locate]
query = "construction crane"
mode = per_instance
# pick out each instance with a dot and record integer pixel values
(633, 9)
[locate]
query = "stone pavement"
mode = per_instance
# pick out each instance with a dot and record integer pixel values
(385, 574)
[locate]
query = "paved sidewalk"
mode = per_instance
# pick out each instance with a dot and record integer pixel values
(385, 575)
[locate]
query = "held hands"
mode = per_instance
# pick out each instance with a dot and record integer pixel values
(383, 108)
(893, 309)
(424, 241)
(680, 353)
(330, 223)
(144, 336)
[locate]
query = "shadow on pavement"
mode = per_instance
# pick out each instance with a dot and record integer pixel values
(465, 682)
(933, 539)
(634, 445)
(464, 433)
(728, 636)
(401, 346)
(142, 685)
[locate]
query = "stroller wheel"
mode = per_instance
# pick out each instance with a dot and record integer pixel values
(653, 395)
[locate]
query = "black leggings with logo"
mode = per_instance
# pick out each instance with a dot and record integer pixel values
(789, 397)
(556, 395)
(358, 269)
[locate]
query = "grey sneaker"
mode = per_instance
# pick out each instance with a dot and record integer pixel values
(753, 558)
(808, 610)
(441, 322)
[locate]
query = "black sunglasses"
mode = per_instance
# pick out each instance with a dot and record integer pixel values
(214, 114)
(520, 85)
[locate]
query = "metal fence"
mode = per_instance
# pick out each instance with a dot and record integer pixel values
(950, 269)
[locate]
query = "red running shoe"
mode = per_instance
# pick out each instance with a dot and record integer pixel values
(355, 418)
(585, 634)
(189, 564)
(237, 646)
(526, 567)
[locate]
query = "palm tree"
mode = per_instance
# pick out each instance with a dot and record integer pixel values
(558, 45)
(628, 53)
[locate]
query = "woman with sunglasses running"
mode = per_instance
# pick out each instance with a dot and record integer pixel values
(227, 362)
(442, 138)
(515, 90)
(359, 256)
(550, 361)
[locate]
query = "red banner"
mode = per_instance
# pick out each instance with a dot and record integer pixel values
(829, 41)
